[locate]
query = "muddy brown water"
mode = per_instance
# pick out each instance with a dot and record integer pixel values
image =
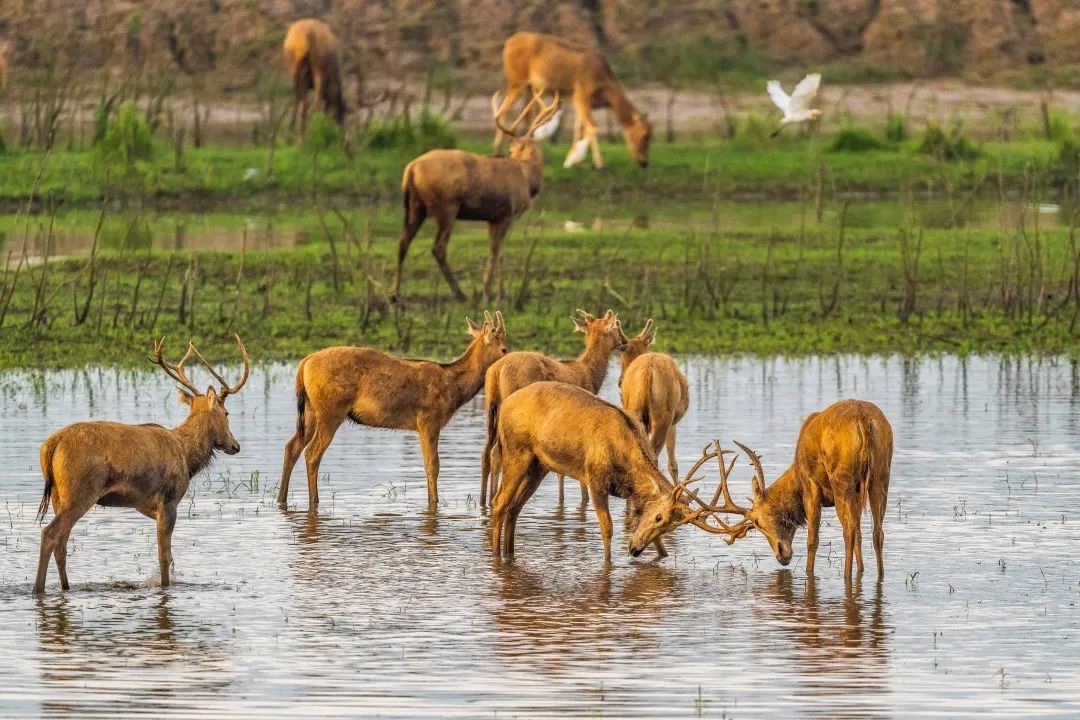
(373, 606)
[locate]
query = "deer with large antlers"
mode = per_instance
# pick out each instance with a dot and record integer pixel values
(843, 458)
(555, 427)
(311, 59)
(451, 185)
(654, 391)
(603, 335)
(376, 389)
(548, 64)
(145, 467)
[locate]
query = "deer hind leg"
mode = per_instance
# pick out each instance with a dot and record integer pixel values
(52, 535)
(515, 469)
(323, 435)
(879, 497)
(442, 240)
(533, 477)
(293, 448)
(672, 462)
(413, 220)
(497, 233)
(429, 446)
(166, 521)
(848, 513)
(490, 481)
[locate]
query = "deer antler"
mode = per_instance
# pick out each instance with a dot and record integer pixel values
(226, 389)
(699, 519)
(545, 114)
(176, 372)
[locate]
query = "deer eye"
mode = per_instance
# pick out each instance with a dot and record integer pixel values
(659, 518)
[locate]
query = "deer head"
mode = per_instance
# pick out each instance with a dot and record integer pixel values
(638, 136)
(209, 405)
(605, 329)
(489, 339)
(662, 512)
(771, 513)
(638, 345)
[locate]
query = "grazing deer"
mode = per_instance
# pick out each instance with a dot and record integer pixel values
(603, 336)
(654, 391)
(454, 185)
(380, 390)
(311, 59)
(547, 64)
(843, 458)
(145, 467)
(555, 427)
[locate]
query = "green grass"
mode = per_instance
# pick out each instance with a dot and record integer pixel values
(687, 170)
(754, 288)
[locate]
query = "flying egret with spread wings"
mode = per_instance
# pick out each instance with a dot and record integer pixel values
(796, 107)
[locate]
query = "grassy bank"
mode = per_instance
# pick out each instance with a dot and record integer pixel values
(830, 287)
(788, 167)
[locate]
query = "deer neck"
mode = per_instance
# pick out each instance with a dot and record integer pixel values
(194, 437)
(786, 495)
(620, 105)
(467, 374)
(594, 361)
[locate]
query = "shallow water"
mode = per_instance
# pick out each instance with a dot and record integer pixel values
(375, 607)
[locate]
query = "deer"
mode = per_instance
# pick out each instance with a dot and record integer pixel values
(311, 59)
(548, 64)
(843, 458)
(555, 427)
(376, 389)
(452, 185)
(654, 391)
(146, 467)
(603, 336)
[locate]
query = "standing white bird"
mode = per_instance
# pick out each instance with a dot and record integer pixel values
(796, 107)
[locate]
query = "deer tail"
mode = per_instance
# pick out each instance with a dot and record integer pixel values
(301, 402)
(408, 195)
(491, 399)
(867, 442)
(47, 450)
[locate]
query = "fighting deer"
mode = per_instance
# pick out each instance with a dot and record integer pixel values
(547, 64)
(603, 336)
(843, 458)
(555, 427)
(311, 59)
(654, 391)
(145, 467)
(454, 185)
(377, 389)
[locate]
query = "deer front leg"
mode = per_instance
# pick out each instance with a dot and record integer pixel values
(442, 241)
(812, 507)
(660, 549)
(166, 521)
(600, 503)
(429, 446)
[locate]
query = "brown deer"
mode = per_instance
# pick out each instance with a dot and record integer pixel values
(547, 64)
(603, 336)
(380, 390)
(311, 59)
(843, 458)
(452, 185)
(145, 467)
(654, 391)
(555, 427)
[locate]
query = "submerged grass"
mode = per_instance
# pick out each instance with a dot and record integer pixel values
(832, 288)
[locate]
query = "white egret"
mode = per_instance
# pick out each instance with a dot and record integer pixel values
(796, 107)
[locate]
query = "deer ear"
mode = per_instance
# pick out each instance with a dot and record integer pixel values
(474, 329)
(579, 326)
(212, 397)
(184, 396)
(648, 334)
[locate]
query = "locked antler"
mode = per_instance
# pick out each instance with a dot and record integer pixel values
(700, 518)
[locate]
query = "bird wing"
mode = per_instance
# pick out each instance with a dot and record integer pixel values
(577, 152)
(548, 128)
(802, 97)
(779, 97)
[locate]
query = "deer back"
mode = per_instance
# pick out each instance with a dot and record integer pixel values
(847, 443)
(653, 382)
(478, 187)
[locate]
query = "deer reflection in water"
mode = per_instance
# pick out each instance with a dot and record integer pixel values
(840, 647)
